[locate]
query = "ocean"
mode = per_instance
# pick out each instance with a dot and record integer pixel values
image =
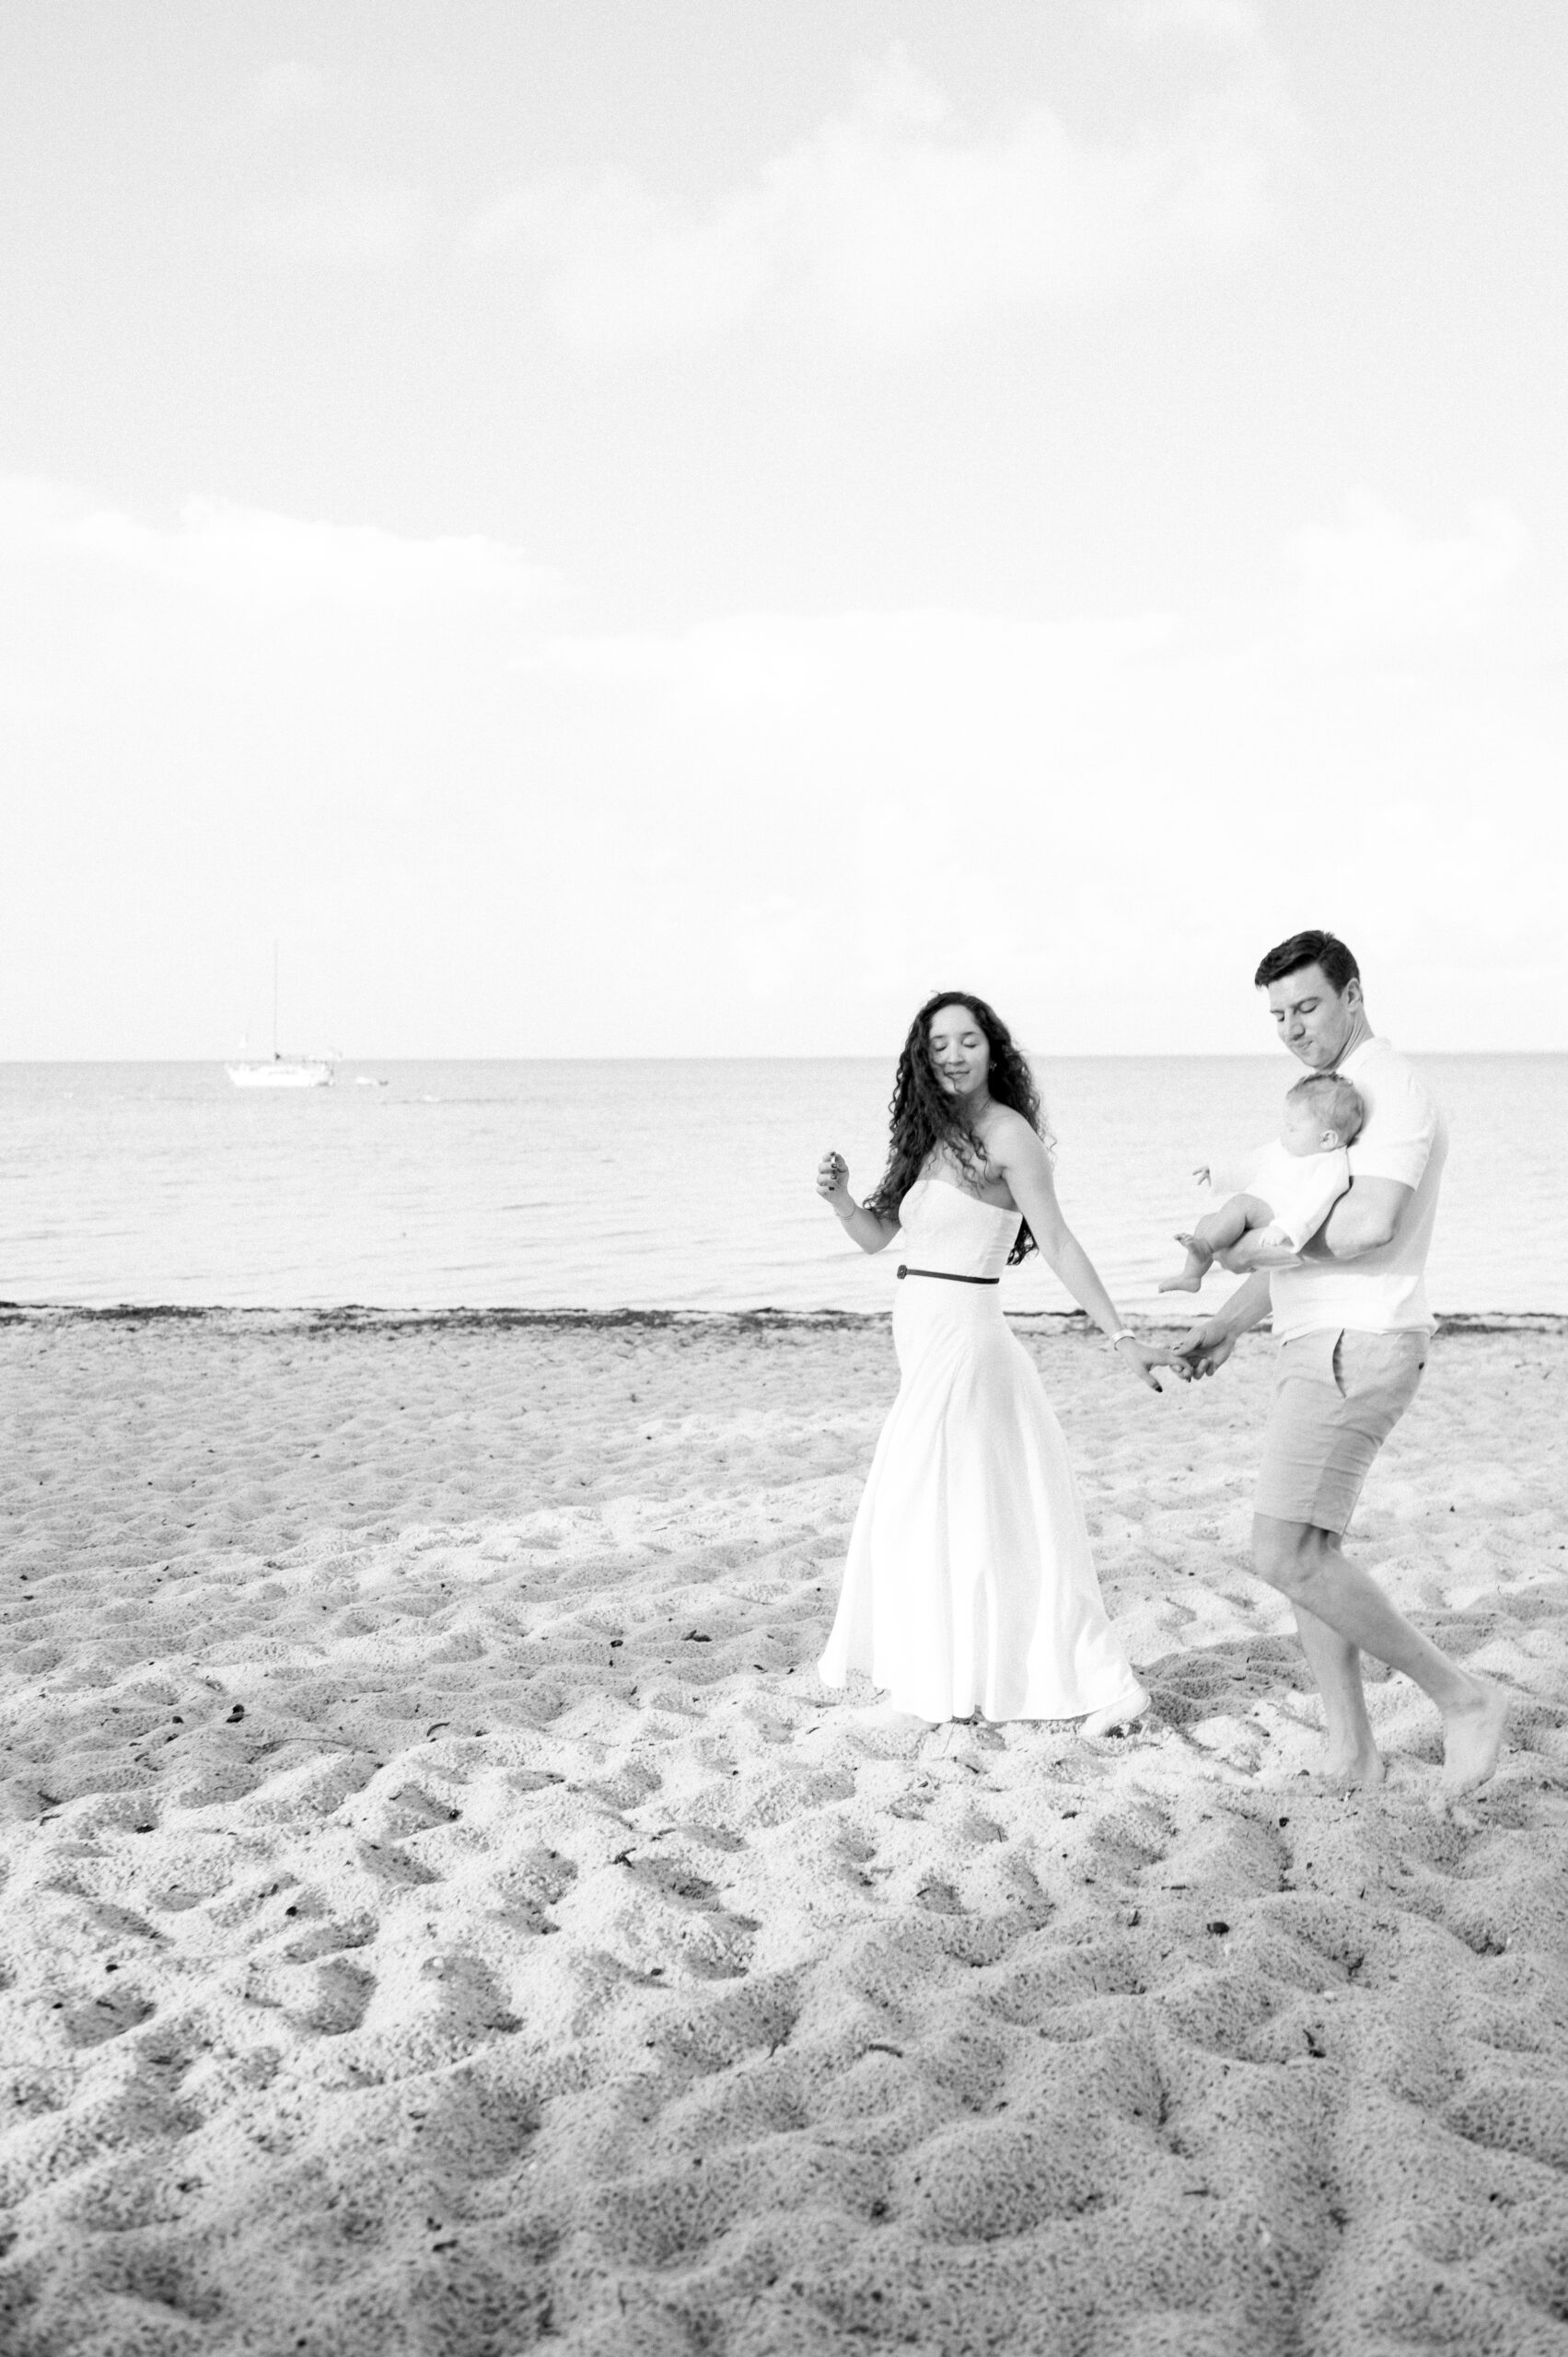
(665, 1185)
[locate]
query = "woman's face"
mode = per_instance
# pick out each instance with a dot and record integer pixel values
(961, 1053)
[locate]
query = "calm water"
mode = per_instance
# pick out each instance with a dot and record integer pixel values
(662, 1185)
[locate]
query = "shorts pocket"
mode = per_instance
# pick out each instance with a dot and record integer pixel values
(1310, 1358)
(1379, 1372)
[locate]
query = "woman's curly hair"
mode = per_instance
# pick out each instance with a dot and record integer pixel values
(924, 1118)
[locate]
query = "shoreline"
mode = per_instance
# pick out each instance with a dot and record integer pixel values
(351, 1316)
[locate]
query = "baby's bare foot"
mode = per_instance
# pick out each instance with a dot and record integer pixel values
(1472, 1740)
(1200, 1261)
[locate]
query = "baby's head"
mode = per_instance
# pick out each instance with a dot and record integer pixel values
(1321, 1113)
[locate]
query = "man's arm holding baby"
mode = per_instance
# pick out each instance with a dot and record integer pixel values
(1386, 1162)
(1367, 1216)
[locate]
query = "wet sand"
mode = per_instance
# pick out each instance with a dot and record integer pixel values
(443, 1913)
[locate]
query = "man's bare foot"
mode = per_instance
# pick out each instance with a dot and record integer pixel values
(1116, 1716)
(1352, 1771)
(1472, 1740)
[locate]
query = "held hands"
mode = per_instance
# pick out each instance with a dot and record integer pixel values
(1141, 1357)
(1203, 1348)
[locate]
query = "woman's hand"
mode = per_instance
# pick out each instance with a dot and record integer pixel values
(1209, 1343)
(832, 1180)
(1205, 1347)
(1141, 1357)
(871, 1230)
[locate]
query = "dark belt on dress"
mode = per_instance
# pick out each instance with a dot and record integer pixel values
(948, 1276)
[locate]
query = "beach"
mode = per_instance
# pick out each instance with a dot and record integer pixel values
(445, 1913)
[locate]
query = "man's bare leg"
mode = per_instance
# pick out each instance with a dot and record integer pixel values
(1350, 1753)
(1307, 1565)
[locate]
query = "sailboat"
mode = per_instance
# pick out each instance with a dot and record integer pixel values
(283, 1072)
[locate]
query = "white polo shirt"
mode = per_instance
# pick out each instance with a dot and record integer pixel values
(1405, 1137)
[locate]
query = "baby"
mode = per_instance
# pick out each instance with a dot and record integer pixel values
(1291, 1183)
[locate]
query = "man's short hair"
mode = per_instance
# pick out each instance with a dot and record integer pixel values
(1323, 949)
(1335, 1101)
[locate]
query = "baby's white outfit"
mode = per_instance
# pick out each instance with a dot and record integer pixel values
(1300, 1189)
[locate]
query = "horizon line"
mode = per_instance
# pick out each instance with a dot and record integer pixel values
(612, 1056)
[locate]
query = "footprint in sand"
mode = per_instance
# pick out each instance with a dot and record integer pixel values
(339, 1999)
(92, 2021)
(329, 1939)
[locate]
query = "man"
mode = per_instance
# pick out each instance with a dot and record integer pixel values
(1353, 1326)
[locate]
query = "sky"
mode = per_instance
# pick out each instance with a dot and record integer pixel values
(656, 528)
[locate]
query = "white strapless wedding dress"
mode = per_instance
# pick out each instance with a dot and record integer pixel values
(970, 1584)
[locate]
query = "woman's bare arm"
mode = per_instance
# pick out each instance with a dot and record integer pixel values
(870, 1230)
(1014, 1149)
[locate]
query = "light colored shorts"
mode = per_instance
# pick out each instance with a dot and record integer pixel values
(1338, 1395)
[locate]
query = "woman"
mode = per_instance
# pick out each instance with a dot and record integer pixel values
(970, 1584)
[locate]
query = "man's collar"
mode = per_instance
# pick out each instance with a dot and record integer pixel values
(1357, 1053)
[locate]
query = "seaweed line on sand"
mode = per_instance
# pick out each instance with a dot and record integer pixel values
(349, 1316)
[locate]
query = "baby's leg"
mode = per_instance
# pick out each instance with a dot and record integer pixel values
(1273, 1247)
(1215, 1232)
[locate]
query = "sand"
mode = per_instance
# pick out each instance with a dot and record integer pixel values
(443, 1911)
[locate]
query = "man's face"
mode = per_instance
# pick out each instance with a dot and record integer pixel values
(1313, 1019)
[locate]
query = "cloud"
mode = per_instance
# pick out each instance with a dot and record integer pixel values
(290, 87)
(354, 224)
(775, 941)
(1226, 24)
(896, 223)
(759, 830)
(219, 548)
(620, 268)
(1371, 576)
(748, 663)
(895, 799)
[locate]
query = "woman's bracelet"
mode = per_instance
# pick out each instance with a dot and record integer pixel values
(1126, 1335)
